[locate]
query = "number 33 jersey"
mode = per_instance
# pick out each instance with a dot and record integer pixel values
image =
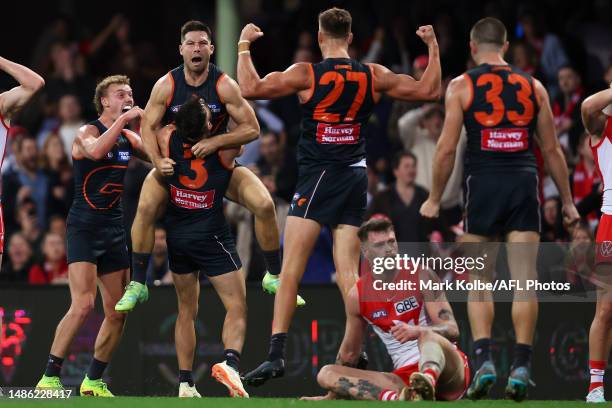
(335, 115)
(500, 120)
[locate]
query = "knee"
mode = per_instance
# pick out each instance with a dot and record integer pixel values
(147, 209)
(82, 306)
(115, 317)
(265, 208)
(604, 314)
(188, 311)
(325, 376)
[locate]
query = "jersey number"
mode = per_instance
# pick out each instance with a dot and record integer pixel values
(320, 111)
(197, 166)
(498, 108)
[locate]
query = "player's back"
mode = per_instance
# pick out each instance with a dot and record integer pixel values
(196, 188)
(336, 114)
(500, 120)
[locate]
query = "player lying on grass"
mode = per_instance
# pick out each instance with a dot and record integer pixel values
(417, 328)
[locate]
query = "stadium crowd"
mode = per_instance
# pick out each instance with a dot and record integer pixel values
(563, 49)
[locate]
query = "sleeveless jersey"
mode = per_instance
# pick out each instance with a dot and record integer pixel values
(196, 191)
(500, 120)
(181, 92)
(99, 184)
(4, 129)
(602, 152)
(405, 306)
(335, 117)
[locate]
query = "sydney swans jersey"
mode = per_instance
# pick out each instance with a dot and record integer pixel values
(404, 306)
(98, 184)
(335, 116)
(181, 92)
(500, 120)
(602, 152)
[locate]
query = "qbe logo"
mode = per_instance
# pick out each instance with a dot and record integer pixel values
(406, 305)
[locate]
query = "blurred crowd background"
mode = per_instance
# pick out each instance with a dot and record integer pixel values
(566, 45)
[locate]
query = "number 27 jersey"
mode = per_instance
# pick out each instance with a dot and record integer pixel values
(500, 120)
(335, 116)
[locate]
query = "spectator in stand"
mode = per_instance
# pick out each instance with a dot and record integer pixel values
(552, 224)
(18, 260)
(523, 57)
(54, 268)
(401, 202)
(277, 169)
(419, 131)
(27, 174)
(70, 116)
(56, 166)
(27, 220)
(57, 225)
(566, 108)
(159, 270)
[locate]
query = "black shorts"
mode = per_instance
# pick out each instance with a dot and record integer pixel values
(212, 254)
(104, 246)
(497, 203)
(332, 196)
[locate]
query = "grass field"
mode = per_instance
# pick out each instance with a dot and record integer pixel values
(151, 402)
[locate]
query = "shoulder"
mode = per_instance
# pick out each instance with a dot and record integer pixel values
(88, 129)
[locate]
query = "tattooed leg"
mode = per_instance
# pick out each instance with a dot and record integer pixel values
(352, 383)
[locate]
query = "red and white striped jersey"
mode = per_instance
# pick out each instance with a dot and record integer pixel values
(383, 308)
(602, 152)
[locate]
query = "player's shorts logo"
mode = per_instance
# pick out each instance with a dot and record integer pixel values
(605, 248)
(302, 201)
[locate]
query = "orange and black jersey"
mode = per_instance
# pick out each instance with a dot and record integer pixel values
(181, 92)
(196, 191)
(500, 120)
(335, 116)
(99, 184)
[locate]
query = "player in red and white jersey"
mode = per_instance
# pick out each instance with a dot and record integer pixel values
(415, 326)
(11, 102)
(597, 118)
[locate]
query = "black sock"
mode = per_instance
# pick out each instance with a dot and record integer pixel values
(277, 346)
(232, 358)
(54, 366)
(96, 369)
(482, 351)
(185, 376)
(522, 355)
(273, 261)
(140, 264)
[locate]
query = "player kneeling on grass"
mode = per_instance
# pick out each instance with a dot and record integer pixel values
(199, 239)
(417, 328)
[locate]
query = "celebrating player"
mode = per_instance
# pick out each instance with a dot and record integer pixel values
(416, 327)
(199, 239)
(96, 241)
(200, 77)
(11, 102)
(596, 112)
(503, 109)
(337, 96)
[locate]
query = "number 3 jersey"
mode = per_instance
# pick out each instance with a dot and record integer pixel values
(500, 120)
(335, 115)
(196, 190)
(99, 184)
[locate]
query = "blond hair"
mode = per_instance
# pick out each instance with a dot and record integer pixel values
(102, 87)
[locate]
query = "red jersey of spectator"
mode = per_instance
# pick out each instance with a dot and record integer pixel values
(48, 273)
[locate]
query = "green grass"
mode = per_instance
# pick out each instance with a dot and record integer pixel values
(156, 402)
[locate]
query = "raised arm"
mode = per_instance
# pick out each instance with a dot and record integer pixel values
(355, 331)
(405, 87)
(446, 148)
(592, 116)
(245, 129)
(553, 155)
(136, 142)
(29, 83)
(151, 122)
(294, 79)
(91, 145)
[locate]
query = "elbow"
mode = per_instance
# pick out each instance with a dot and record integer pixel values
(434, 93)
(253, 132)
(37, 84)
(247, 90)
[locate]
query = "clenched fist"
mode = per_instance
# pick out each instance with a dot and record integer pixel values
(427, 34)
(250, 33)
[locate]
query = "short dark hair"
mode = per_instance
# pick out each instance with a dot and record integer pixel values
(397, 159)
(336, 22)
(195, 25)
(378, 224)
(489, 30)
(191, 121)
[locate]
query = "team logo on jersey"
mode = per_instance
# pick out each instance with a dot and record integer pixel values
(109, 155)
(124, 156)
(406, 305)
(379, 314)
(605, 248)
(175, 108)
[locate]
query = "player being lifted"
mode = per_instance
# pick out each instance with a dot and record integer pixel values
(96, 242)
(11, 102)
(198, 76)
(417, 328)
(200, 240)
(596, 113)
(503, 110)
(337, 97)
